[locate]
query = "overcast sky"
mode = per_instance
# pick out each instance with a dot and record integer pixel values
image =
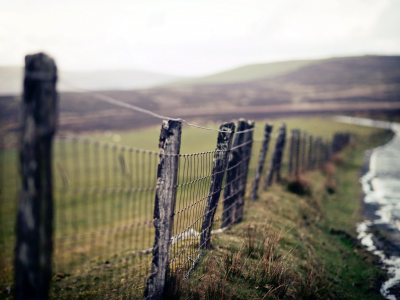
(194, 37)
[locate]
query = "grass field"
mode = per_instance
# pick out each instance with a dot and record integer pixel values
(294, 247)
(103, 213)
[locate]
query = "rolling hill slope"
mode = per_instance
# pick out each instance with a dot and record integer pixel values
(247, 73)
(330, 86)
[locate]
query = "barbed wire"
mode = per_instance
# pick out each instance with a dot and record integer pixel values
(120, 103)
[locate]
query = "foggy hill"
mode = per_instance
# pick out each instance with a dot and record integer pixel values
(11, 80)
(247, 73)
(362, 79)
(329, 86)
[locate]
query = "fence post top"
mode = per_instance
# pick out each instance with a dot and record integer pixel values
(39, 88)
(168, 125)
(228, 126)
(169, 128)
(250, 123)
(268, 127)
(241, 125)
(227, 129)
(40, 66)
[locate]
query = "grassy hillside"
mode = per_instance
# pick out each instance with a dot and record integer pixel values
(293, 247)
(248, 73)
(78, 214)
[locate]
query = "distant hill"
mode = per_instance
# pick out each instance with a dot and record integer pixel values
(368, 69)
(11, 80)
(326, 86)
(359, 79)
(247, 73)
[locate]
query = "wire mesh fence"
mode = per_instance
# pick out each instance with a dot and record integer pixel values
(104, 220)
(98, 220)
(104, 202)
(194, 179)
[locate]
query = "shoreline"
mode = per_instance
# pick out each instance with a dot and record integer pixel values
(380, 231)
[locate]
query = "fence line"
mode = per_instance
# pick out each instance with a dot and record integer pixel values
(126, 219)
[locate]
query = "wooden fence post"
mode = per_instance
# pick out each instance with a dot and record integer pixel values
(303, 152)
(246, 156)
(334, 143)
(291, 152)
(310, 152)
(220, 162)
(297, 153)
(261, 160)
(169, 147)
(328, 149)
(314, 152)
(281, 149)
(35, 209)
(318, 152)
(316, 145)
(322, 160)
(232, 181)
(276, 159)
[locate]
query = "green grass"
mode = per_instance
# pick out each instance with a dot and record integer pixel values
(92, 227)
(314, 251)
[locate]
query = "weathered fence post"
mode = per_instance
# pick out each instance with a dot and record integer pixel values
(276, 159)
(291, 152)
(327, 150)
(303, 152)
(318, 151)
(261, 160)
(246, 157)
(297, 153)
(334, 143)
(314, 152)
(279, 157)
(224, 143)
(310, 152)
(233, 179)
(322, 159)
(169, 147)
(35, 209)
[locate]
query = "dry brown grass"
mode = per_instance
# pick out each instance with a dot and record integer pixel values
(329, 170)
(256, 263)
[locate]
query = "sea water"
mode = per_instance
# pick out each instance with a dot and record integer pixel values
(381, 187)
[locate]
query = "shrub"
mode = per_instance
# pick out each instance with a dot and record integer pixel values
(300, 186)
